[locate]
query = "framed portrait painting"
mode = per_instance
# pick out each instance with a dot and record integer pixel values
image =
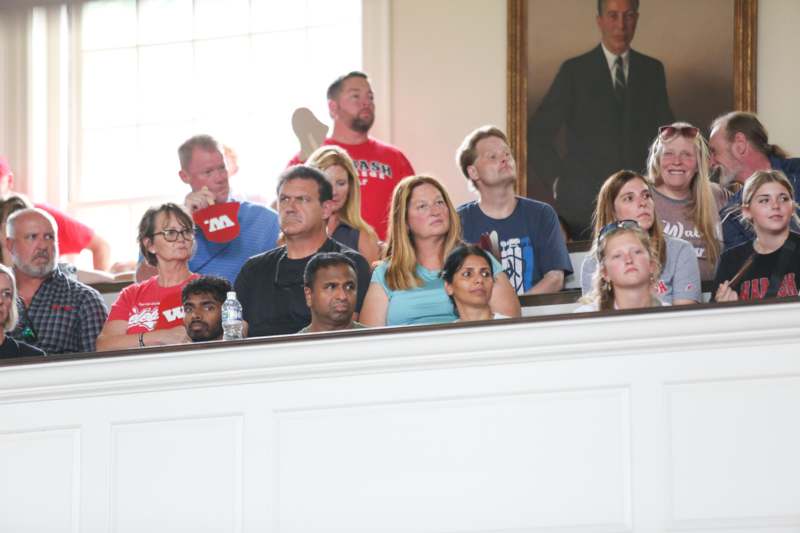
(686, 61)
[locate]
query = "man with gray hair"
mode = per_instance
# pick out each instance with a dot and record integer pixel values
(740, 147)
(226, 238)
(56, 313)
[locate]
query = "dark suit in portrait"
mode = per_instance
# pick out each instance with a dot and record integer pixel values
(603, 132)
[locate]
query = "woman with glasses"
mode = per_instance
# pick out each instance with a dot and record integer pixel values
(345, 224)
(627, 271)
(686, 201)
(407, 287)
(149, 313)
(8, 318)
(627, 195)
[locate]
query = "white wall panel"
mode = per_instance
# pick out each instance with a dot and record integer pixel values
(677, 420)
(434, 466)
(177, 475)
(733, 459)
(40, 480)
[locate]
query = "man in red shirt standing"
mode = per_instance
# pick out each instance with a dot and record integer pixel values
(380, 166)
(73, 235)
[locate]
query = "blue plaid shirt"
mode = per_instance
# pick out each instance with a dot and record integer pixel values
(65, 315)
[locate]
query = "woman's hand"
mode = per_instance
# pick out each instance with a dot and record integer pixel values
(725, 293)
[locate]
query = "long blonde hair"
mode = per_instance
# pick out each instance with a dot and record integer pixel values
(603, 291)
(401, 256)
(328, 156)
(604, 212)
(702, 208)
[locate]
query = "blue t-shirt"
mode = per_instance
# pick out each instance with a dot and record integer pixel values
(426, 304)
(259, 230)
(531, 243)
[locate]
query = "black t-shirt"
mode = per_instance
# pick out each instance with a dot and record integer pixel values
(14, 348)
(754, 285)
(270, 289)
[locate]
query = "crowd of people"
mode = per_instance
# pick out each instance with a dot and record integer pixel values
(359, 240)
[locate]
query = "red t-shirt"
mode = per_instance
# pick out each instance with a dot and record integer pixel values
(147, 307)
(380, 167)
(73, 235)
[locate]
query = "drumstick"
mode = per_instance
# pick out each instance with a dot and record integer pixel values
(741, 271)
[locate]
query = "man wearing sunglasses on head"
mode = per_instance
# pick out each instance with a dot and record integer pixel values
(609, 103)
(740, 147)
(57, 314)
(270, 285)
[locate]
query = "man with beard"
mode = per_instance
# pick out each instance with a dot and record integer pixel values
(202, 300)
(740, 147)
(525, 233)
(380, 166)
(57, 314)
(270, 285)
(331, 287)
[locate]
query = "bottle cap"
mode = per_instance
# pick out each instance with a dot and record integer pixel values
(231, 295)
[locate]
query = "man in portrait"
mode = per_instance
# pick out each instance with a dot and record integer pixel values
(609, 103)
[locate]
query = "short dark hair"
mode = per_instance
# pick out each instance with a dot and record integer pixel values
(455, 260)
(147, 227)
(634, 3)
(305, 172)
(215, 286)
(325, 260)
(335, 88)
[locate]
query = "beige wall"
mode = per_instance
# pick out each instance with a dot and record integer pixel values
(447, 75)
(778, 75)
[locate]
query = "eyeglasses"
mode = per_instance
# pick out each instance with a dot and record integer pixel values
(609, 229)
(171, 235)
(668, 132)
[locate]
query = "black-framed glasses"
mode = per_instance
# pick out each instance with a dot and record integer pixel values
(171, 235)
(668, 132)
(609, 229)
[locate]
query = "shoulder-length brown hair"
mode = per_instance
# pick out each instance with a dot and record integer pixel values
(401, 255)
(604, 212)
(331, 155)
(147, 227)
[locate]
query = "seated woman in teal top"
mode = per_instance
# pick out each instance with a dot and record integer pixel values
(406, 287)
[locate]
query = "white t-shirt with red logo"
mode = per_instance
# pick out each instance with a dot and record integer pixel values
(146, 306)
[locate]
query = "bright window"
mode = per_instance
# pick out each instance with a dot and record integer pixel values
(151, 73)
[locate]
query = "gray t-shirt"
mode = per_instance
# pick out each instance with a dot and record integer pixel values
(677, 223)
(680, 275)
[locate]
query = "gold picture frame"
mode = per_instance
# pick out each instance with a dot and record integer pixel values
(744, 73)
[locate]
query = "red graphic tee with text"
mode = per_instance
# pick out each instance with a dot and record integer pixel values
(147, 307)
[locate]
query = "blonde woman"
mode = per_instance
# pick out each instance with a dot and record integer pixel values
(769, 266)
(686, 201)
(345, 224)
(627, 269)
(627, 195)
(9, 316)
(407, 288)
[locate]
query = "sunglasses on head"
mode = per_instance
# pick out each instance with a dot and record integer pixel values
(610, 229)
(668, 132)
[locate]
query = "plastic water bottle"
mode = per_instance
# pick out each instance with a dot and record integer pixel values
(232, 318)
